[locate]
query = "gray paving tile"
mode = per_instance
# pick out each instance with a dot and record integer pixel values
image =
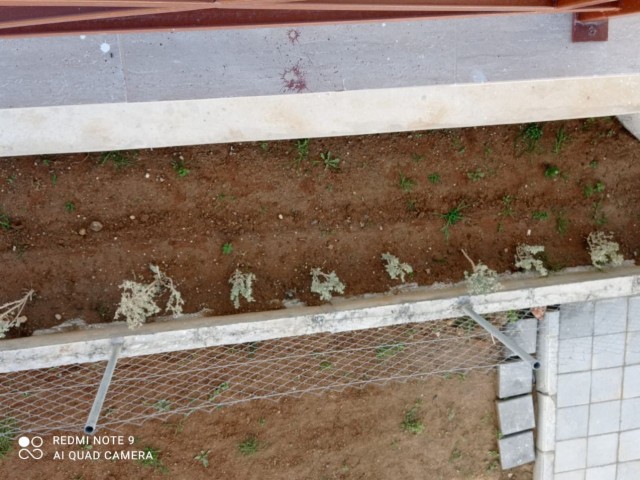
(576, 320)
(575, 354)
(516, 450)
(60, 71)
(228, 63)
(629, 446)
(631, 387)
(572, 422)
(574, 475)
(628, 471)
(514, 378)
(633, 349)
(574, 389)
(515, 414)
(606, 384)
(630, 414)
(524, 333)
(633, 314)
(604, 417)
(610, 316)
(601, 473)
(571, 455)
(608, 350)
(602, 450)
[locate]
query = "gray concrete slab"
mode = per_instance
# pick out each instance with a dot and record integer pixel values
(574, 475)
(604, 417)
(629, 446)
(630, 415)
(631, 387)
(574, 389)
(571, 455)
(576, 320)
(60, 71)
(633, 315)
(628, 471)
(525, 334)
(610, 316)
(515, 414)
(608, 350)
(572, 422)
(516, 450)
(632, 355)
(607, 472)
(514, 378)
(606, 384)
(602, 450)
(575, 354)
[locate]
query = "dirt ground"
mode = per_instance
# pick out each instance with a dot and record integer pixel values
(284, 211)
(356, 434)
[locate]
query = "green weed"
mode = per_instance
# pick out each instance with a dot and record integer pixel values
(264, 146)
(5, 221)
(223, 387)
(326, 365)
(203, 458)
(528, 139)
(562, 223)
(561, 139)
(507, 206)
(162, 405)
(406, 183)
(227, 248)
(434, 178)
(384, 352)
(249, 446)
(330, 162)
(451, 218)
(154, 461)
(302, 149)
(8, 431)
(120, 159)
(411, 422)
(551, 171)
(589, 190)
(180, 168)
(540, 215)
(70, 207)
(479, 174)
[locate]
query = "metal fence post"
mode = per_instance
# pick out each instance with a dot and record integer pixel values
(506, 341)
(92, 420)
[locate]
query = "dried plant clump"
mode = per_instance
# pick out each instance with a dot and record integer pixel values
(324, 284)
(241, 286)
(526, 258)
(137, 302)
(482, 279)
(396, 269)
(11, 313)
(603, 250)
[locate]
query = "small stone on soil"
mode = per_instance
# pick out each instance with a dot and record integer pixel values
(58, 316)
(95, 226)
(82, 232)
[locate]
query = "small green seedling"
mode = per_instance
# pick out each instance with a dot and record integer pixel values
(120, 159)
(219, 390)
(540, 215)
(476, 175)
(417, 158)
(264, 146)
(162, 405)
(151, 458)
(249, 446)
(203, 458)
(411, 422)
(434, 178)
(5, 221)
(451, 218)
(561, 139)
(227, 248)
(302, 149)
(406, 183)
(530, 136)
(70, 207)
(180, 168)
(8, 431)
(590, 190)
(551, 171)
(384, 352)
(330, 162)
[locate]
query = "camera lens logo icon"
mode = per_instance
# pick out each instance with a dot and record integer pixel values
(30, 448)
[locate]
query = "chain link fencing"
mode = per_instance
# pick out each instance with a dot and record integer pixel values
(180, 383)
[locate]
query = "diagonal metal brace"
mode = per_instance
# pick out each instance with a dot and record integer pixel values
(505, 340)
(92, 420)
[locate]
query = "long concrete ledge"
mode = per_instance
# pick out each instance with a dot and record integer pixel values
(100, 127)
(419, 305)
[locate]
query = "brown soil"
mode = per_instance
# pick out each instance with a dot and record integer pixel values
(356, 434)
(283, 218)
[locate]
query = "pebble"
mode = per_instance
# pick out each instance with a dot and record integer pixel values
(132, 217)
(82, 232)
(280, 216)
(58, 316)
(95, 226)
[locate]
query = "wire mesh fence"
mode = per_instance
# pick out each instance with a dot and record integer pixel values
(180, 383)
